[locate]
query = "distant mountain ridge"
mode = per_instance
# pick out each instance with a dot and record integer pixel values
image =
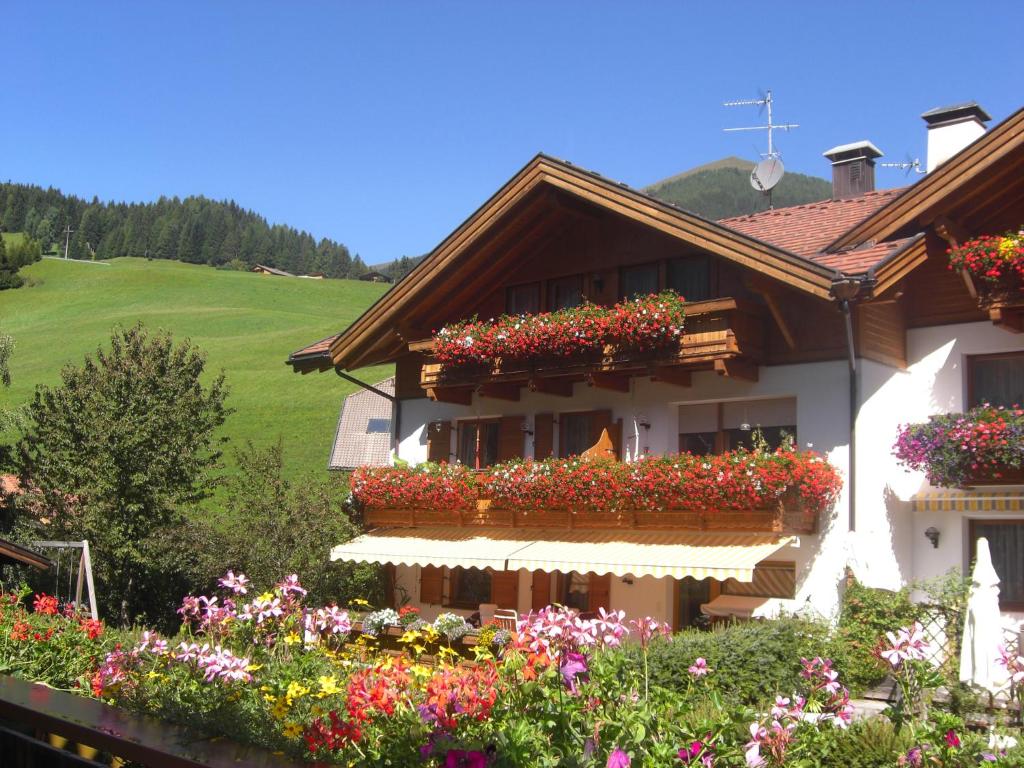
(721, 189)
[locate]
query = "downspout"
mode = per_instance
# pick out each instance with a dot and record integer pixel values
(846, 291)
(396, 404)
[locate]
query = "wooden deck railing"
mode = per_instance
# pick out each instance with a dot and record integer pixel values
(29, 713)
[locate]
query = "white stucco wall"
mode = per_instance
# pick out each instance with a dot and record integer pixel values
(889, 548)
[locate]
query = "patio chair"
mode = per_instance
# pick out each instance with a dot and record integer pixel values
(506, 618)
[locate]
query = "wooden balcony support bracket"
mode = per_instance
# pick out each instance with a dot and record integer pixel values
(611, 381)
(1008, 318)
(455, 395)
(559, 387)
(736, 368)
(677, 376)
(954, 234)
(499, 391)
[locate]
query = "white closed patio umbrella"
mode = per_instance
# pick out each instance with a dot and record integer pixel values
(983, 630)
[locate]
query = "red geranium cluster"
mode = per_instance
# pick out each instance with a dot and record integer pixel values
(734, 480)
(427, 486)
(993, 259)
(455, 693)
(644, 324)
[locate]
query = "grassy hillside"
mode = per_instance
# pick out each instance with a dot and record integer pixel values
(722, 189)
(247, 324)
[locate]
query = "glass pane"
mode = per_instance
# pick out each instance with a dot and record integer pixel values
(577, 591)
(690, 278)
(377, 425)
(488, 444)
(744, 438)
(692, 594)
(997, 380)
(566, 292)
(467, 444)
(639, 281)
(697, 443)
(472, 586)
(523, 299)
(1006, 543)
(573, 434)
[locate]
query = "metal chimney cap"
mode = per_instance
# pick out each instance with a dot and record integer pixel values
(956, 113)
(854, 151)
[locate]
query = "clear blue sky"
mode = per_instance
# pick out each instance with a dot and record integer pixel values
(383, 125)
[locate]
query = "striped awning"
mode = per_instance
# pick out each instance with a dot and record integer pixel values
(624, 553)
(968, 501)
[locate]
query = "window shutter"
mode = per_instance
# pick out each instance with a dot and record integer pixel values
(541, 597)
(505, 589)
(510, 438)
(431, 584)
(615, 433)
(543, 437)
(439, 441)
(600, 592)
(389, 585)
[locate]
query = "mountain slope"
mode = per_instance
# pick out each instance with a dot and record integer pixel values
(246, 323)
(722, 189)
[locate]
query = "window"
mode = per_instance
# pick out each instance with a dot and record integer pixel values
(690, 277)
(576, 591)
(712, 427)
(639, 281)
(565, 292)
(468, 587)
(1006, 542)
(377, 425)
(995, 379)
(478, 443)
(574, 434)
(523, 299)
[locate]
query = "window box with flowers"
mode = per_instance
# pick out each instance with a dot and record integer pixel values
(737, 490)
(984, 446)
(993, 266)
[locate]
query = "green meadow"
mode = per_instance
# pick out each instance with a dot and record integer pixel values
(246, 323)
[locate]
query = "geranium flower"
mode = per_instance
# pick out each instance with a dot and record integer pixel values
(45, 605)
(236, 584)
(699, 668)
(618, 759)
(574, 667)
(457, 758)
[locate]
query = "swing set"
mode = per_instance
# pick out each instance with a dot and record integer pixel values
(78, 569)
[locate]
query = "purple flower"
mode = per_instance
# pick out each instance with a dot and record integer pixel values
(573, 666)
(618, 759)
(236, 584)
(458, 758)
(690, 753)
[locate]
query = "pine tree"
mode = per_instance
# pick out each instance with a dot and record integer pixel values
(9, 277)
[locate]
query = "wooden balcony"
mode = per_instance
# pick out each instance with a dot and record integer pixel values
(1004, 301)
(723, 335)
(787, 517)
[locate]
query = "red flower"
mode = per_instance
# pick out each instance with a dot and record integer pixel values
(19, 631)
(45, 604)
(92, 628)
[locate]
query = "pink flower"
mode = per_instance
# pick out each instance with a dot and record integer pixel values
(699, 668)
(618, 759)
(236, 584)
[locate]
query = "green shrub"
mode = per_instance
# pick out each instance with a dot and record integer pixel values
(865, 616)
(752, 660)
(870, 743)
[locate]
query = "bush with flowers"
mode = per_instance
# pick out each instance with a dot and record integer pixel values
(644, 324)
(740, 479)
(565, 691)
(955, 449)
(993, 259)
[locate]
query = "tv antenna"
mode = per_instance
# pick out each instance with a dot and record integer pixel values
(908, 165)
(770, 170)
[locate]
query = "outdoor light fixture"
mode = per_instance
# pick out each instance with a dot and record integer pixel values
(526, 427)
(643, 421)
(436, 425)
(932, 534)
(627, 580)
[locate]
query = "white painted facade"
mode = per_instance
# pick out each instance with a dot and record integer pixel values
(887, 548)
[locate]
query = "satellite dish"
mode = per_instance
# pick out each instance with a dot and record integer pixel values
(767, 174)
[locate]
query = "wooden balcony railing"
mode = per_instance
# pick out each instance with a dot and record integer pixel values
(724, 335)
(789, 516)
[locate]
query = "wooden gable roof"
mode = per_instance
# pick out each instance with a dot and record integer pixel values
(487, 244)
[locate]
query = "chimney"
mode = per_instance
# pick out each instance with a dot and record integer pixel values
(853, 169)
(950, 129)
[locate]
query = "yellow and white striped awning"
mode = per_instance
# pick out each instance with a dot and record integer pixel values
(968, 501)
(624, 553)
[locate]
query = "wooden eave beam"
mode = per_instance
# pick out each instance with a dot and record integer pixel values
(772, 300)
(1011, 320)
(987, 151)
(736, 368)
(499, 391)
(611, 381)
(455, 395)
(897, 270)
(562, 387)
(671, 375)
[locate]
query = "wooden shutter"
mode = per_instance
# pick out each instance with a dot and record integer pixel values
(510, 438)
(439, 441)
(431, 584)
(505, 589)
(389, 585)
(600, 592)
(541, 597)
(543, 436)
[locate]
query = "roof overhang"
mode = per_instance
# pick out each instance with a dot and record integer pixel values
(377, 335)
(23, 555)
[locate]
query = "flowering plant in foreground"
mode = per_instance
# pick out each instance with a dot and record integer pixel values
(644, 324)
(955, 448)
(738, 479)
(992, 258)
